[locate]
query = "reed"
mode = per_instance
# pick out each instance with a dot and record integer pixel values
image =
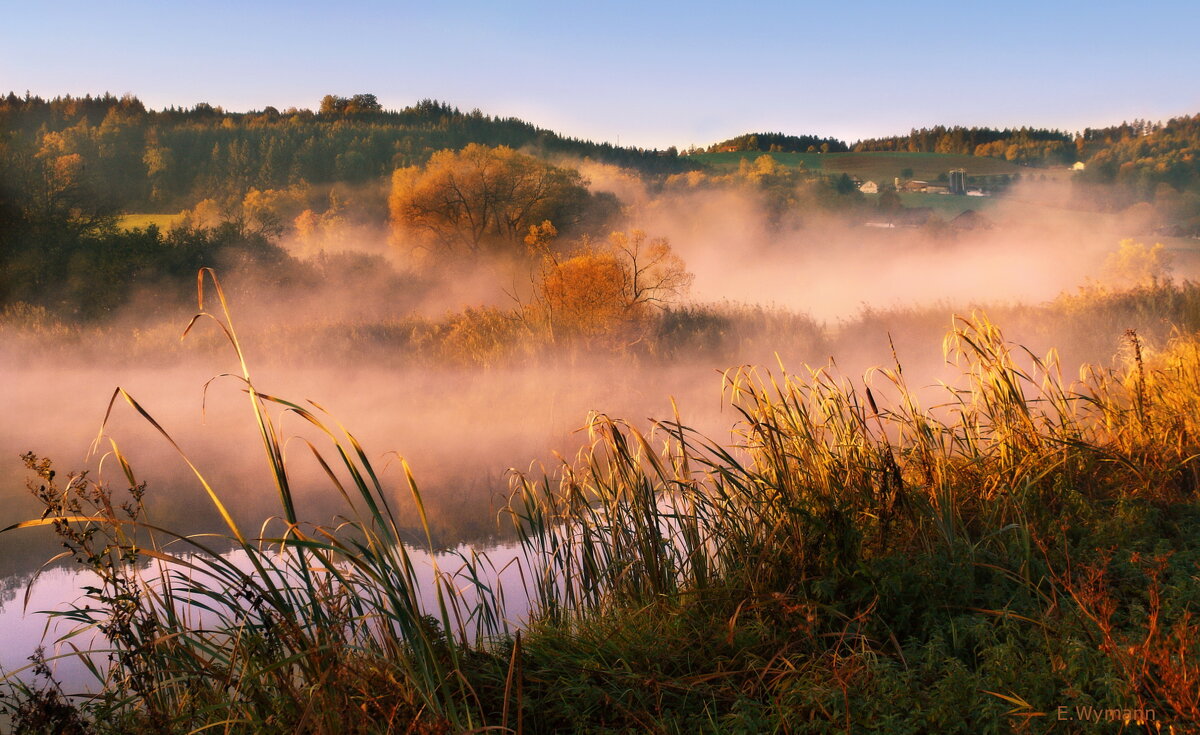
(292, 628)
(828, 482)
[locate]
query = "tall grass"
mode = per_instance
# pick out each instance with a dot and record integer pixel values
(824, 472)
(286, 628)
(828, 481)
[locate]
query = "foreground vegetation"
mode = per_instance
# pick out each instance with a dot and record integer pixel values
(1014, 550)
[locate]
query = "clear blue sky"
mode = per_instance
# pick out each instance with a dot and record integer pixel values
(652, 73)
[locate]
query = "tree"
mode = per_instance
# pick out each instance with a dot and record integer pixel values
(356, 105)
(844, 185)
(604, 288)
(364, 103)
(889, 199)
(583, 295)
(267, 211)
(482, 198)
(652, 274)
(1134, 264)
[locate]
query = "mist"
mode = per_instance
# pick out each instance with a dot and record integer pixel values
(366, 340)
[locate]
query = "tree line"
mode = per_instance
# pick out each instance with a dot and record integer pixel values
(169, 159)
(1144, 156)
(1020, 145)
(779, 143)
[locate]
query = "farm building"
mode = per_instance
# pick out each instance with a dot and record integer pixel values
(958, 181)
(969, 219)
(923, 187)
(868, 187)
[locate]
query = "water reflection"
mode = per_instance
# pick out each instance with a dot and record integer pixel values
(29, 602)
(460, 431)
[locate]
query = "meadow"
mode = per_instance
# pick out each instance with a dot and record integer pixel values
(945, 205)
(144, 220)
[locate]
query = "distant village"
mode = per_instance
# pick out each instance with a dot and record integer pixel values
(955, 184)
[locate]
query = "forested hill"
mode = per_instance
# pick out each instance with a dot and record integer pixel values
(167, 159)
(1022, 145)
(1144, 155)
(1138, 156)
(779, 143)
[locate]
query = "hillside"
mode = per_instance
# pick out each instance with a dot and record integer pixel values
(1142, 156)
(1131, 160)
(147, 160)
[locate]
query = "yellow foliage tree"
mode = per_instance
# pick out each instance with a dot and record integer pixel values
(1136, 264)
(325, 231)
(269, 210)
(206, 213)
(481, 198)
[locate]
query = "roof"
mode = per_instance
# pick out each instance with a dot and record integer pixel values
(969, 219)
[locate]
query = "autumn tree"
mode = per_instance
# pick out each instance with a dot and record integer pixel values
(269, 211)
(582, 295)
(652, 274)
(889, 199)
(482, 198)
(603, 289)
(776, 183)
(328, 230)
(1135, 264)
(356, 105)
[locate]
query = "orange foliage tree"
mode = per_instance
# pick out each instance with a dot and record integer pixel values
(603, 289)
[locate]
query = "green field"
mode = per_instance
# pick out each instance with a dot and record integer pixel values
(144, 220)
(945, 205)
(874, 166)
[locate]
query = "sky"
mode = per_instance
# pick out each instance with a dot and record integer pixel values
(650, 74)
